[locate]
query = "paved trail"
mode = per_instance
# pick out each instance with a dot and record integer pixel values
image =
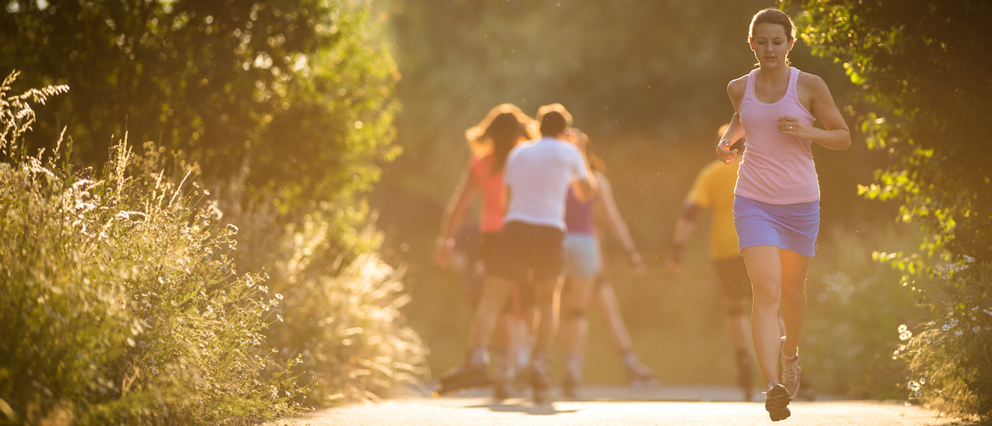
(682, 406)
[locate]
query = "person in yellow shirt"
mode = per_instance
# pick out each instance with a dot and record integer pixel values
(714, 190)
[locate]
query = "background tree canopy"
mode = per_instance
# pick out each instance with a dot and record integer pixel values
(921, 66)
(300, 89)
(646, 80)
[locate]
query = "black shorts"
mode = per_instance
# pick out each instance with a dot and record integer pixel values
(733, 278)
(526, 252)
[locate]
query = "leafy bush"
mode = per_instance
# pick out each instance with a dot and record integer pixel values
(120, 304)
(916, 66)
(949, 354)
(855, 304)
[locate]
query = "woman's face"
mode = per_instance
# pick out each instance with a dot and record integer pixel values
(770, 44)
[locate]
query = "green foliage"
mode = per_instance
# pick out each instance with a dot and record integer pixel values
(949, 355)
(301, 87)
(854, 306)
(920, 68)
(120, 304)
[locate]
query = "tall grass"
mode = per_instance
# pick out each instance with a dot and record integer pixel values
(341, 313)
(120, 303)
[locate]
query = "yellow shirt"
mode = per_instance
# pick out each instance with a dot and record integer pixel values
(714, 190)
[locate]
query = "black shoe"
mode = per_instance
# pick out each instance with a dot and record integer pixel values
(464, 376)
(777, 402)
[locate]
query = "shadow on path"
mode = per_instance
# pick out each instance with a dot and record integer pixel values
(523, 407)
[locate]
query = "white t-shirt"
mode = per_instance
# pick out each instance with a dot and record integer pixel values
(538, 174)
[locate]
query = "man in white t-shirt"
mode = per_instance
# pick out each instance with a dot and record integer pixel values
(528, 253)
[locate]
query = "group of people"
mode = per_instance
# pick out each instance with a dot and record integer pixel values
(539, 195)
(539, 200)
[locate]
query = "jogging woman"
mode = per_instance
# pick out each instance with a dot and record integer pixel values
(777, 197)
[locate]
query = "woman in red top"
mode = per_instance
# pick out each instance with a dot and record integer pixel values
(491, 140)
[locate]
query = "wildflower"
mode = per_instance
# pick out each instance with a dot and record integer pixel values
(987, 311)
(279, 317)
(976, 329)
(951, 323)
(958, 333)
(279, 296)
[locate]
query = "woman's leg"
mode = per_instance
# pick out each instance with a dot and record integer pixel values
(764, 267)
(793, 304)
(575, 299)
(609, 309)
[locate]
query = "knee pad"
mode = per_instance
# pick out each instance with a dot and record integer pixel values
(573, 313)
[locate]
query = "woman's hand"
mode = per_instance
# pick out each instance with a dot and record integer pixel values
(724, 153)
(791, 126)
(443, 252)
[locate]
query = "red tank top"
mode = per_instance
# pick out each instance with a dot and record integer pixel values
(491, 185)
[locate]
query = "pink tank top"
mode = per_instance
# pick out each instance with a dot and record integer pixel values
(777, 169)
(491, 185)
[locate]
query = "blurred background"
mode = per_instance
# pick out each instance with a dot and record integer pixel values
(331, 134)
(647, 81)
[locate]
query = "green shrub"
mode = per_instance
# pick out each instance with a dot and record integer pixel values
(855, 304)
(119, 303)
(949, 355)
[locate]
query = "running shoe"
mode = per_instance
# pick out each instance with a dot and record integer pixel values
(788, 373)
(777, 402)
(638, 375)
(465, 376)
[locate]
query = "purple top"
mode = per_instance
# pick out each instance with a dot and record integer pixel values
(579, 214)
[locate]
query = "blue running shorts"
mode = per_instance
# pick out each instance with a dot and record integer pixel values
(786, 226)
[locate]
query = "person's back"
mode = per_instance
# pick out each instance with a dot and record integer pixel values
(491, 185)
(538, 174)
